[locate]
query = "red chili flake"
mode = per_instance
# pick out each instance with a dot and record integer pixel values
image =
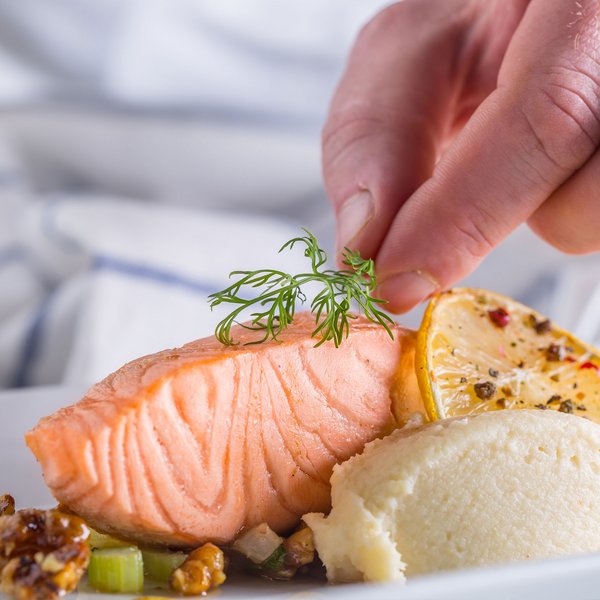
(499, 317)
(590, 365)
(570, 359)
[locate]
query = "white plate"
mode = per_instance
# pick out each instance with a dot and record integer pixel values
(574, 578)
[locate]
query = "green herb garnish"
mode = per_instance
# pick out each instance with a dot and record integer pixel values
(275, 305)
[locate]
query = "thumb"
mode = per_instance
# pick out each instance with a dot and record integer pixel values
(381, 137)
(539, 126)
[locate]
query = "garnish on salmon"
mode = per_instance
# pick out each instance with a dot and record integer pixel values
(281, 292)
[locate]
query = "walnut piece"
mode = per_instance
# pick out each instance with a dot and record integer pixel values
(204, 569)
(43, 553)
(300, 548)
(7, 505)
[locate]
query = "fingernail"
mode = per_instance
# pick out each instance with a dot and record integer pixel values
(405, 290)
(352, 217)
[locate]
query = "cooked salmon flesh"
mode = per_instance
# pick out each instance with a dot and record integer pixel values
(195, 444)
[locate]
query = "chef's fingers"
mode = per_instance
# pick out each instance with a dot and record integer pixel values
(389, 114)
(530, 135)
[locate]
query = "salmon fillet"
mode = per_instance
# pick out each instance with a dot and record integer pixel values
(194, 444)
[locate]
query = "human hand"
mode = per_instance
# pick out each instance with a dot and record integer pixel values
(458, 120)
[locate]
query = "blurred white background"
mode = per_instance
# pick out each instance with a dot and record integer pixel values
(148, 147)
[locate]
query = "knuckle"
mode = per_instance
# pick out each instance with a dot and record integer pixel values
(347, 126)
(351, 126)
(562, 111)
(474, 238)
(358, 150)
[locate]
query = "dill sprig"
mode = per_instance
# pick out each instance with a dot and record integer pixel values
(280, 293)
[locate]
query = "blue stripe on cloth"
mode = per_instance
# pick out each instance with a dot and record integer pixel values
(110, 263)
(32, 341)
(100, 263)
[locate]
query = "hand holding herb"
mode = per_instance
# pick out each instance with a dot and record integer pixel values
(275, 305)
(456, 122)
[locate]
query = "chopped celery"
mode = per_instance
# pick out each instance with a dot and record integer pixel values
(117, 570)
(159, 564)
(103, 540)
(275, 561)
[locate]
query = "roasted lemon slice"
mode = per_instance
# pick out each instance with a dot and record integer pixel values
(479, 351)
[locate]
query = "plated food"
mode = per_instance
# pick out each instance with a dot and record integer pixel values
(490, 488)
(196, 444)
(183, 460)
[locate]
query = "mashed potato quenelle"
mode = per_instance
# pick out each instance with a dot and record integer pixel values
(496, 487)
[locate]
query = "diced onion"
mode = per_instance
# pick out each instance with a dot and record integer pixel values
(258, 543)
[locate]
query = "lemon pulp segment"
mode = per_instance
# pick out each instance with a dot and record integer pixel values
(479, 351)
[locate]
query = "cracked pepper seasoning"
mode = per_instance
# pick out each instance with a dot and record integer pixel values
(484, 390)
